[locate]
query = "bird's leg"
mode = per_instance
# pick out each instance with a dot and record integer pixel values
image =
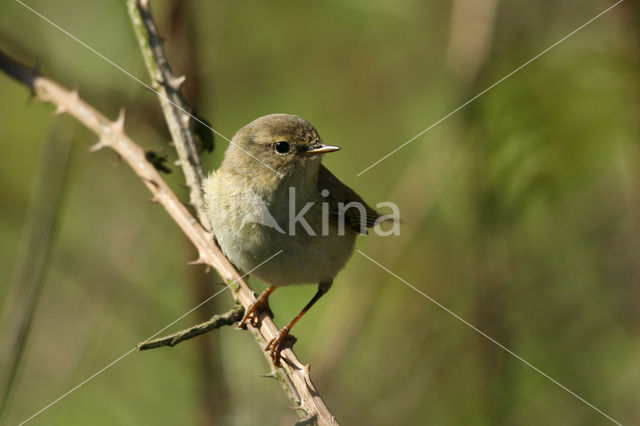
(260, 305)
(275, 345)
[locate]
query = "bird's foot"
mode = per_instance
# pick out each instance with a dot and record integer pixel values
(277, 344)
(252, 315)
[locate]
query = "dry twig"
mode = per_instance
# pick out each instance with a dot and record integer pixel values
(216, 321)
(174, 106)
(296, 379)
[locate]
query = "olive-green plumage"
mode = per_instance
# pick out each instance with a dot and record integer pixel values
(271, 173)
(243, 185)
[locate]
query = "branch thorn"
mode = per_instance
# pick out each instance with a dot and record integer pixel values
(98, 146)
(75, 97)
(198, 261)
(177, 82)
(269, 375)
(60, 109)
(118, 125)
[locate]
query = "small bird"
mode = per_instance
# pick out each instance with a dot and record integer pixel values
(272, 194)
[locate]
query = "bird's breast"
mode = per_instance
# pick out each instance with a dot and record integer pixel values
(254, 224)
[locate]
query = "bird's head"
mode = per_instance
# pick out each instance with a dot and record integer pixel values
(285, 143)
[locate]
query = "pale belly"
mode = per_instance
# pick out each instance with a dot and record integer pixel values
(293, 259)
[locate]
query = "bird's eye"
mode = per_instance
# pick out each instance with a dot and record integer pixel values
(282, 147)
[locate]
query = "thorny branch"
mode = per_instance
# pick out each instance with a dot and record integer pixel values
(296, 379)
(183, 132)
(174, 106)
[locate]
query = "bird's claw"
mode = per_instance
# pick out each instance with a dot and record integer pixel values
(252, 315)
(274, 347)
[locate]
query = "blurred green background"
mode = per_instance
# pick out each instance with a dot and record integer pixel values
(520, 212)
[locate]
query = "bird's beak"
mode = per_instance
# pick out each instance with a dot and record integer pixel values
(321, 148)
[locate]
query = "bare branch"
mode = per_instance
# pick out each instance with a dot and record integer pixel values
(174, 106)
(216, 321)
(296, 381)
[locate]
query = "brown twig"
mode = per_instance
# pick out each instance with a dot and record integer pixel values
(216, 321)
(174, 106)
(296, 381)
(214, 392)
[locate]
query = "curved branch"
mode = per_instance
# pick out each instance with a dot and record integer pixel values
(296, 379)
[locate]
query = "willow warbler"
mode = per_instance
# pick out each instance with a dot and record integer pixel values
(272, 193)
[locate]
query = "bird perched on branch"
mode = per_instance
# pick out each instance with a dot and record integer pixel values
(273, 194)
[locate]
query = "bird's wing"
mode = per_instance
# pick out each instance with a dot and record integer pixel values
(340, 195)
